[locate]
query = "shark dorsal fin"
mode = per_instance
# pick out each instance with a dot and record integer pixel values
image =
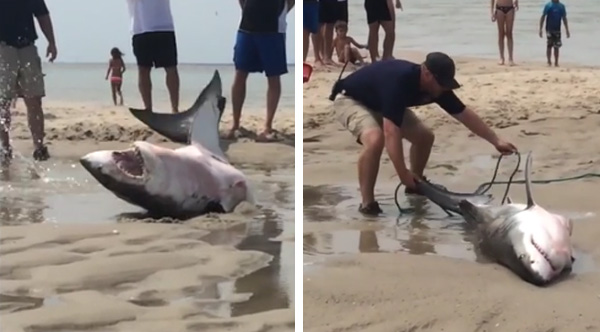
(204, 131)
(530, 201)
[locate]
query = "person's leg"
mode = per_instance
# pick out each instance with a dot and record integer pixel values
(32, 88)
(421, 139)
(317, 43)
(246, 60)
(306, 41)
(556, 55)
(164, 50)
(373, 41)
(549, 45)
(113, 90)
(9, 58)
(120, 93)
(557, 43)
(271, 48)
(500, 20)
(328, 43)
(142, 50)
(389, 27)
(510, 21)
(366, 128)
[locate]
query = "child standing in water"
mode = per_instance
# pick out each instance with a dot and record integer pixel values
(343, 45)
(116, 68)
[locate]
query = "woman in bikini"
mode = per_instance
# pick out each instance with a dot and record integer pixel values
(503, 13)
(116, 68)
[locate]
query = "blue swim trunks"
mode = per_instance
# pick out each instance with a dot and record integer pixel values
(311, 16)
(258, 52)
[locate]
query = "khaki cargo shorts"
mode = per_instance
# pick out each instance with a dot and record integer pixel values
(356, 118)
(20, 72)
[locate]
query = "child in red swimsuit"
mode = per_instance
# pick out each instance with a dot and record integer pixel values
(116, 68)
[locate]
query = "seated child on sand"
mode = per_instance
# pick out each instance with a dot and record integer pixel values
(343, 45)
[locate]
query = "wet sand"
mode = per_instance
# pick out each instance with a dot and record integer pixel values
(420, 272)
(73, 257)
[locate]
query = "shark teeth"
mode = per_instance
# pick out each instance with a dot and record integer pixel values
(130, 162)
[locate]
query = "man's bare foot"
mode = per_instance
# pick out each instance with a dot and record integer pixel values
(511, 63)
(501, 62)
(318, 63)
(556, 64)
(329, 62)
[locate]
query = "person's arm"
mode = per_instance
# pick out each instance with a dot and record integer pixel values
(399, 5)
(43, 17)
(124, 67)
(291, 4)
(476, 125)
(108, 70)
(492, 5)
(353, 42)
(543, 18)
(566, 23)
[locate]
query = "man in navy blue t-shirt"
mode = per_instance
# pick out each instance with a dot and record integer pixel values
(374, 108)
(554, 14)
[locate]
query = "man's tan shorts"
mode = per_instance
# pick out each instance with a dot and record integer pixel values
(356, 118)
(20, 72)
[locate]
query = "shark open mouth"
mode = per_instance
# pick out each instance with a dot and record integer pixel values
(544, 254)
(130, 161)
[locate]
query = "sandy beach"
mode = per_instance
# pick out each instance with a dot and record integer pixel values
(75, 258)
(419, 272)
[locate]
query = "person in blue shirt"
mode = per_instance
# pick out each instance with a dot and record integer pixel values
(374, 108)
(553, 15)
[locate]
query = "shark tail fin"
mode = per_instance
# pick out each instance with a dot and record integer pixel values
(530, 201)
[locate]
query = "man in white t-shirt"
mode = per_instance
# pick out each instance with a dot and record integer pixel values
(154, 45)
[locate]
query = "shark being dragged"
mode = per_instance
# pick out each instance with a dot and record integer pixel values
(526, 238)
(181, 183)
(176, 126)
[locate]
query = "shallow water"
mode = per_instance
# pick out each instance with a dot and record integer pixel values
(61, 192)
(427, 230)
(465, 28)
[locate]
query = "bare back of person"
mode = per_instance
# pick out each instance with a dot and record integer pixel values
(116, 67)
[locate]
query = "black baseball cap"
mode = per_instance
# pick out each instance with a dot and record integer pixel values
(441, 66)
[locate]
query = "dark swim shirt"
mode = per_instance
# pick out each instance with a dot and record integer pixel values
(264, 16)
(17, 27)
(389, 87)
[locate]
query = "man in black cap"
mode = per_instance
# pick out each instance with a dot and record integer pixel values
(374, 108)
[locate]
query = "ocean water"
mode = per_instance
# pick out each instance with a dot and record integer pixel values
(85, 83)
(464, 28)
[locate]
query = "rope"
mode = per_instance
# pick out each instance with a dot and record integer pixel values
(486, 186)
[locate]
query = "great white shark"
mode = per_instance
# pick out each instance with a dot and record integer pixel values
(526, 238)
(184, 182)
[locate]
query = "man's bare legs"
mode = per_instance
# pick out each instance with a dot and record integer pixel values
(327, 37)
(145, 86)
(373, 41)
(501, 21)
(389, 27)
(508, 31)
(35, 119)
(273, 96)
(5, 121)
(172, 80)
(368, 163)
(306, 41)
(317, 43)
(238, 95)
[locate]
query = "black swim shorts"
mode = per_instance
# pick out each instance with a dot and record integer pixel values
(155, 49)
(553, 39)
(377, 11)
(331, 11)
